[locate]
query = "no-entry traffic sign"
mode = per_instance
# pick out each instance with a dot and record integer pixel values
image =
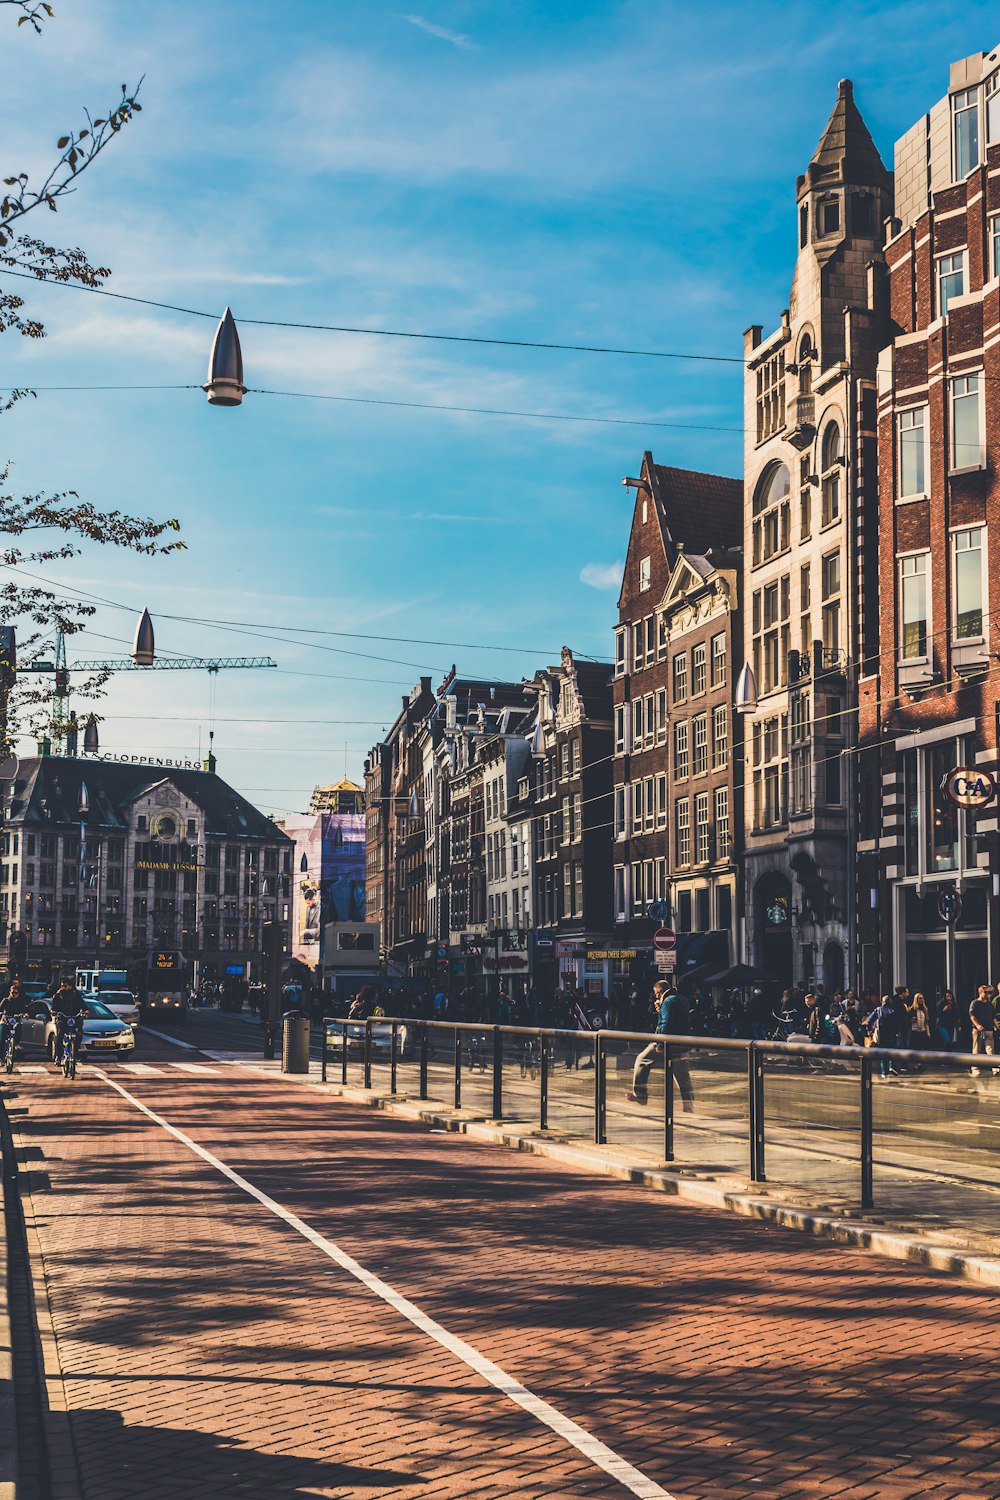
(665, 939)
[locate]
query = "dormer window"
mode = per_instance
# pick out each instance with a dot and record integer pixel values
(965, 132)
(829, 216)
(645, 565)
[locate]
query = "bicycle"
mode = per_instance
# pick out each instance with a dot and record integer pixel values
(10, 1047)
(70, 1043)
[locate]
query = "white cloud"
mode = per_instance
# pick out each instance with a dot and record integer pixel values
(605, 576)
(456, 38)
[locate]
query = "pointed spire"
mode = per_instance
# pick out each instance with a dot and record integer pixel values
(846, 151)
(144, 646)
(224, 386)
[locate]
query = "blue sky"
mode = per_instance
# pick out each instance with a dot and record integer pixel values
(597, 173)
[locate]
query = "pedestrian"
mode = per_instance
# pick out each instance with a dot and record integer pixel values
(920, 1023)
(883, 1025)
(983, 1019)
(947, 1020)
(672, 1019)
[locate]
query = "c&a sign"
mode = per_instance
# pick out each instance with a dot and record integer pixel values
(969, 786)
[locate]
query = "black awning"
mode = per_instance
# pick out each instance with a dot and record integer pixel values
(696, 950)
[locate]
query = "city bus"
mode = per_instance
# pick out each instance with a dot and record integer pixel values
(161, 984)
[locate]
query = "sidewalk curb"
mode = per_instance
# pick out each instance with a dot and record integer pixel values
(858, 1234)
(8, 1418)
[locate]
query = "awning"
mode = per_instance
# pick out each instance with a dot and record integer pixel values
(695, 950)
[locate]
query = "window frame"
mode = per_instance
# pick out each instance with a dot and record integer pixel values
(953, 551)
(961, 254)
(924, 427)
(966, 375)
(965, 102)
(645, 574)
(901, 561)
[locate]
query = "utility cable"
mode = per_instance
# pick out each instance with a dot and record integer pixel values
(384, 333)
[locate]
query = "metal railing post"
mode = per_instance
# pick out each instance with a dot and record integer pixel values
(458, 1068)
(393, 1051)
(343, 1050)
(867, 1134)
(668, 1102)
(368, 1053)
(600, 1092)
(497, 1073)
(543, 1083)
(322, 1066)
(423, 1060)
(755, 1078)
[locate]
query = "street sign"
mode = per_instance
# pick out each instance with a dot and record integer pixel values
(664, 940)
(666, 963)
(949, 906)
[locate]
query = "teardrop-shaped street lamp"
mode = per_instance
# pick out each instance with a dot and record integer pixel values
(91, 743)
(304, 864)
(83, 801)
(746, 691)
(224, 386)
(144, 645)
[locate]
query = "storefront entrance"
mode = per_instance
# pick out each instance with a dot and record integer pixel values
(934, 955)
(773, 923)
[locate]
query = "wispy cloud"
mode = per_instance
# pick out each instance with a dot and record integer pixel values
(456, 38)
(604, 576)
(447, 517)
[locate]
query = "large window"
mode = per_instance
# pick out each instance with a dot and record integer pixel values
(682, 824)
(699, 757)
(770, 744)
(966, 427)
(680, 677)
(702, 830)
(830, 568)
(771, 396)
(723, 837)
(680, 750)
(831, 460)
(951, 279)
(771, 606)
(621, 648)
(771, 514)
(719, 660)
(720, 737)
(993, 109)
(967, 582)
(914, 603)
(965, 121)
(645, 574)
(699, 669)
(995, 242)
(912, 438)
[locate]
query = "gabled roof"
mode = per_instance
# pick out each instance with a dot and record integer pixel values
(698, 510)
(846, 151)
(48, 795)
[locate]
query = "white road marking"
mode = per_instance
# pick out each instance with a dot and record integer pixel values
(590, 1447)
(195, 1068)
(143, 1069)
(31, 1068)
(167, 1036)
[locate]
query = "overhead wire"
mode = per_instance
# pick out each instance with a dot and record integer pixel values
(389, 333)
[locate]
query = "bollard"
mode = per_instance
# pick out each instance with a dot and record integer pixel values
(668, 1102)
(543, 1084)
(368, 1053)
(423, 1060)
(755, 1079)
(295, 1043)
(497, 1073)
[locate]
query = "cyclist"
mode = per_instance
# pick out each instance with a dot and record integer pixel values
(68, 1003)
(12, 1007)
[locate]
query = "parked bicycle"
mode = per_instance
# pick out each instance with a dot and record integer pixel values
(477, 1053)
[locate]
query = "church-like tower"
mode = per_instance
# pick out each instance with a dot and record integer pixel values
(810, 558)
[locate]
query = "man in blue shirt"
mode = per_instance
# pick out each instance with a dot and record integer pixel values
(673, 1018)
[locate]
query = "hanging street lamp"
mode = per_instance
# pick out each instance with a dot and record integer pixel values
(224, 386)
(746, 691)
(144, 645)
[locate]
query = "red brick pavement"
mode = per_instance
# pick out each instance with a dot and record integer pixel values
(210, 1350)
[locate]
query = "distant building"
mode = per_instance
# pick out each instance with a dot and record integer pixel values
(328, 874)
(101, 862)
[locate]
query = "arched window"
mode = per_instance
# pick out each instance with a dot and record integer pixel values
(770, 509)
(831, 465)
(805, 364)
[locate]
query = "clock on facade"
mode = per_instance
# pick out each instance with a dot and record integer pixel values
(164, 827)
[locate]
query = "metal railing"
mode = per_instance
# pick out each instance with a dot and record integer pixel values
(742, 1102)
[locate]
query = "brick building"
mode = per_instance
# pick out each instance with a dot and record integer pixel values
(928, 870)
(572, 826)
(810, 558)
(674, 644)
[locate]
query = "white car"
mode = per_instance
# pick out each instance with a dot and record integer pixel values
(122, 1002)
(104, 1035)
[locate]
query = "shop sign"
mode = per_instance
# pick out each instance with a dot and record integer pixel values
(967, 786)
(949, 906)
(600, 955)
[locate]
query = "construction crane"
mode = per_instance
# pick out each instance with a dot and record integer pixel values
(64, 724)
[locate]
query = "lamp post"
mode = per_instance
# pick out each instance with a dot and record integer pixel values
(86, 878)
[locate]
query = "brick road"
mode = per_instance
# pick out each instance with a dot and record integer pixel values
(208, 1349)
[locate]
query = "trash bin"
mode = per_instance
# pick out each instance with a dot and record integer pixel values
(295, 1042)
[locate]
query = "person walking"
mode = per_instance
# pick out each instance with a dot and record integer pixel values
(983, 1019)
(920, 1023)
(883, 1024)
(672, 1019)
